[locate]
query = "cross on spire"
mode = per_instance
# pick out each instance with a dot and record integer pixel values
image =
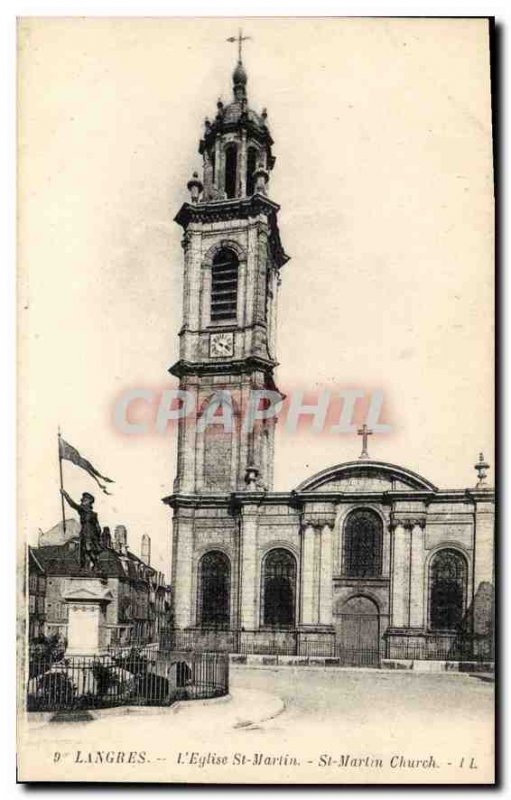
(240, 39)
(364, 432)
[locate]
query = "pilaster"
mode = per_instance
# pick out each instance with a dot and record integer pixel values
(182, 560)
(307, 575)
(248, 550)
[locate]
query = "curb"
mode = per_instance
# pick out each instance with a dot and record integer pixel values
(119, 711)
(243, 710)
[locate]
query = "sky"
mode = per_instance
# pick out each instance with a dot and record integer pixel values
(382, 134)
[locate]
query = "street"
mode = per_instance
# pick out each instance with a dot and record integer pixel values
(352, 726)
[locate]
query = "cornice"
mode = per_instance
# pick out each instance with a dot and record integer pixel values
(244, 122)
(238, 367)
(297, 500)
(480, 495)
(222, 210)
(237, 208)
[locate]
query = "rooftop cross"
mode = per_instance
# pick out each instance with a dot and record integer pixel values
(364, 432)
(240, 39)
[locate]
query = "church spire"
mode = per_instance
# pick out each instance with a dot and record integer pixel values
(236, 146)
(239, 76)
(239, 82)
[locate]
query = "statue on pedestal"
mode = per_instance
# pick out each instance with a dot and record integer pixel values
(90, 531)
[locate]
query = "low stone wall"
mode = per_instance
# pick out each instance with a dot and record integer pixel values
(386, 663)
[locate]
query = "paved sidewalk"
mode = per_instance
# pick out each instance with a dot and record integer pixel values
(242, 708)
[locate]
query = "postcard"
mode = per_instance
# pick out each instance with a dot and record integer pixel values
(256, 400)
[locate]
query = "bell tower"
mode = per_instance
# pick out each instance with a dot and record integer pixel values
(232, 260)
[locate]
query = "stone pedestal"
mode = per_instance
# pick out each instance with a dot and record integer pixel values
(87, 601)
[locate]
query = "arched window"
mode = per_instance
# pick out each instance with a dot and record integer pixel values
(231, 169)
(251, 166)
(447, 587)
(214, 590)
(363, 535)
(279, 589)
(224, 286)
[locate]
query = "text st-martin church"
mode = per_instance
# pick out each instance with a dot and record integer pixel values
(363, 561)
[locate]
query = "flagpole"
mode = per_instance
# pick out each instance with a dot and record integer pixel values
(61, 485)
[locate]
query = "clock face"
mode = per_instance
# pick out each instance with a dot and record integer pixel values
(221, 345)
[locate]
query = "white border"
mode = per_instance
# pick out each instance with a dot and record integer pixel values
(8, 12)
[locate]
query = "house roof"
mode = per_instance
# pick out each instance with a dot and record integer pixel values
(33, 558)
(64, 560)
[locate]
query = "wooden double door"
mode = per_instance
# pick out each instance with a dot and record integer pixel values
(357, 628)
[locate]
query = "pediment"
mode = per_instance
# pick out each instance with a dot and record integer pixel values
(85, 594)
(368, 476)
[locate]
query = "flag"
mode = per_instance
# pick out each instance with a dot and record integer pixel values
(70, 453)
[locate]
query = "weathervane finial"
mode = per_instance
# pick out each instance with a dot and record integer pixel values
(240, 39)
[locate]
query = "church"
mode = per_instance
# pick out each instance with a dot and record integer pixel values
(362, 562)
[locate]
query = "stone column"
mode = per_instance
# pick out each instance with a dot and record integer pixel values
(417, 575)
(242, 164)
(219, 167)
(248, 544)
(400, 575)
(182, 554)
(306, 615)
(326, 573)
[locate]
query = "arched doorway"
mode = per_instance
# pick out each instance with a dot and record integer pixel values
(357, 631)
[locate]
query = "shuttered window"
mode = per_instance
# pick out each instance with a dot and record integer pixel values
(224, 286)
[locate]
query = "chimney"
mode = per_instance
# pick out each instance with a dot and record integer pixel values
(120, 538)
(146, 549)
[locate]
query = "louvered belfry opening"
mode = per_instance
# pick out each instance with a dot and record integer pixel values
(231, 168)
(224, 286)
(251, 167)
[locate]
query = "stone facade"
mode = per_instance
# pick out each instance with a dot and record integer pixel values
(418, 521)
(362, 561)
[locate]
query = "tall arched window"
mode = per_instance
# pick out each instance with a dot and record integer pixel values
(447, 588)
(251, 166)
(363, 535)
(214, 590)
(224, 286)
(279, 589)
(231, 169)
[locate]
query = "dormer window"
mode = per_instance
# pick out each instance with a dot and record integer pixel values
(224, 286)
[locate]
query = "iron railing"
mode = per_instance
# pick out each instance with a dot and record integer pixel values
(287, 642)
(128, 677)
(442, 649)
(275, 642)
